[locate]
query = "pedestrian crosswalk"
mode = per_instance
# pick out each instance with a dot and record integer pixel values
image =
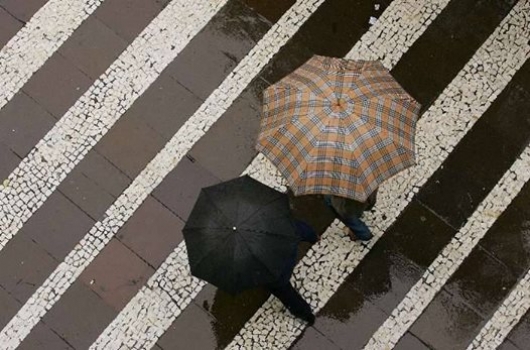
(147, 312)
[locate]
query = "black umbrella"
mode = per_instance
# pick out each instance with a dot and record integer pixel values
(239, 234)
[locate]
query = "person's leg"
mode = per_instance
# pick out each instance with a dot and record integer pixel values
(293, 301)
(357, 227)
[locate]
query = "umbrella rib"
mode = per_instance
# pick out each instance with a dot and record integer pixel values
(214, 204)
(257, 257)
(259, 209)
(202, 259)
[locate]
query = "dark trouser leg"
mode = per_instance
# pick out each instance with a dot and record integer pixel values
(293, 301)
(359, 228)
(354, 223)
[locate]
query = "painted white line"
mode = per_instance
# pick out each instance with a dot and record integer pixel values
(89, 119)
(452, 256)
(172, 287)
(76, 133)
(331, 260)
(505, 318)
(124, 207)
(173, 278)
(45, 32)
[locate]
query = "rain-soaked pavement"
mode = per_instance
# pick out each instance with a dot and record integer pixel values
(115, 113)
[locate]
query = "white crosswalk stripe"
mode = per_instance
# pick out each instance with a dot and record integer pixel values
(515, 306)
(452, 256)
(451, 116)
(173, 278)
(27, 51)
(89, 119)
(85, 123)
(150, 313)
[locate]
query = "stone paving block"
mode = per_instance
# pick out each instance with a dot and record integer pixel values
(104, 173)
(165, 106)
(180, 189)
(79, 316)
(269, 10)
(482, 282)
(384, 276)
(9, 26)
(337, 25)
(23, 10)
(508, 345)
(9, 307)
(290, 57)
(311, 339)
(8, 159)
(86, 194)
(68, 83)
(229, 312)
(128, 18)
(116, 274)
(254, 93)
(153, 232)
(418, 227)
(224, 157)
(58, 225)
(520, 335)
(42, 337)
(349, 319)
(24, 266)
(509, 238)
(446, 46)
(447, 324)
(477, 161)
(130, 145)
(23, 122)
(522, 77)
(410, 342)
(216, 50)
(419, 78)
(93, 47)
(191, 330)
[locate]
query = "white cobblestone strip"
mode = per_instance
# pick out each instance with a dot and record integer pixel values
(452, 256)
(387, 42)
(334, 257)
(172, 278)
(76, 133)
(89, 119)
(172, 287)
(27, 51)
(514, 307)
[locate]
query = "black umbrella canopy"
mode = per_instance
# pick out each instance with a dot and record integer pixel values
(239, 234)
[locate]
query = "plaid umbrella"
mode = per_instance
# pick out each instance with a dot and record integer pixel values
(339, 127)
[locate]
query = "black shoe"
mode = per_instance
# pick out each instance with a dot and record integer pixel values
(305, 316)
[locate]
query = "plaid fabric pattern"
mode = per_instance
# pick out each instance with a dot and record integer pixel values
(337, 126)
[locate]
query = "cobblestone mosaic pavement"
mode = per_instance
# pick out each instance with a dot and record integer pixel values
(115, 113)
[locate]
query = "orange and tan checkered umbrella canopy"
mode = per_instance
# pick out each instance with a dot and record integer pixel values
(337, 126)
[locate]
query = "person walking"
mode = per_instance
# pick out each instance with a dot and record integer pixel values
(284, 290)
(339, 128)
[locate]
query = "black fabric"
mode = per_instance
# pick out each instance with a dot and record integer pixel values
(240, 235)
